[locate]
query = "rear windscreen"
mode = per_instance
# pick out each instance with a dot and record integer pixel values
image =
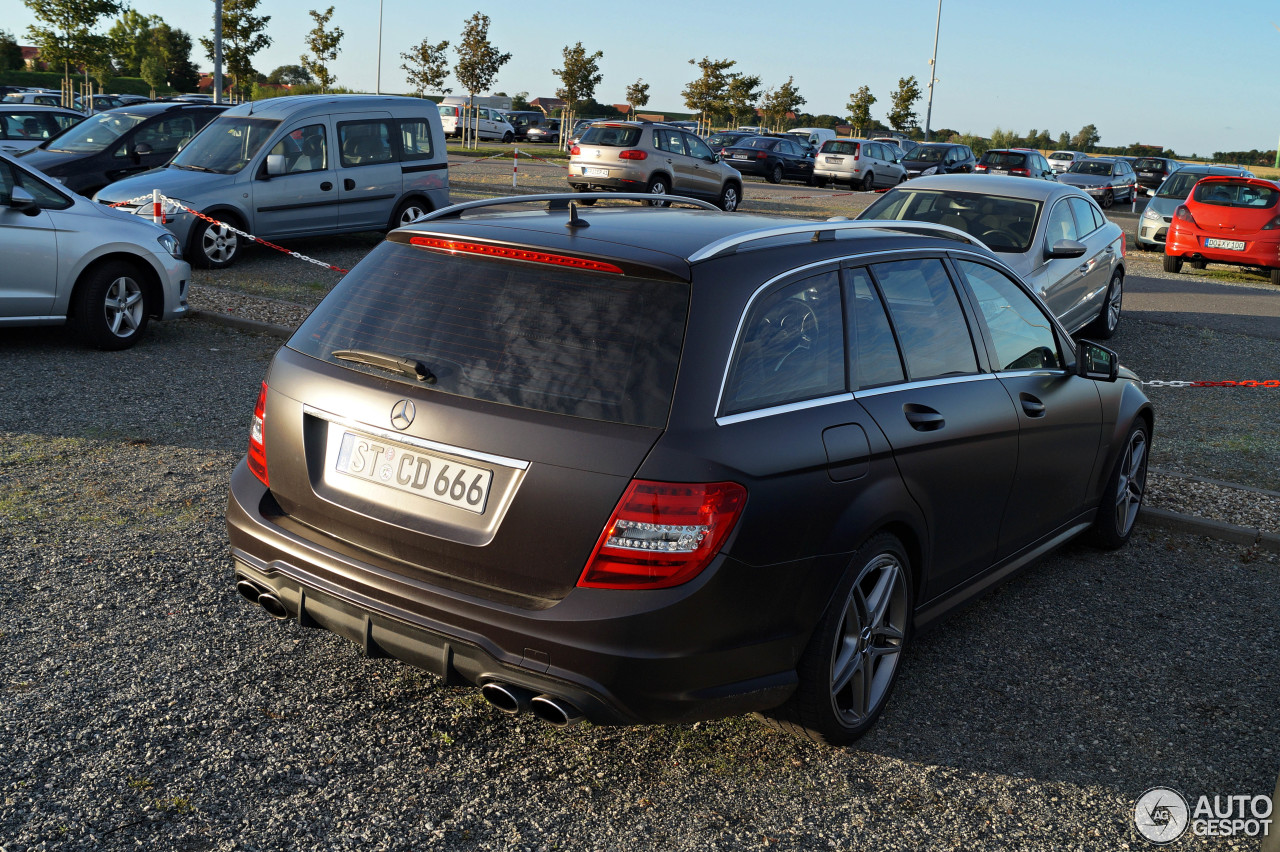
(1229, 194)
(1148, 164)
(1004, 159)
(832, 146)
(592, 345)
(611, 137)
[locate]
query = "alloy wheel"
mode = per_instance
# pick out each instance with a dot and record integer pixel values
(1132, 482)
(219, 243)
(870, 641)
(123, 307)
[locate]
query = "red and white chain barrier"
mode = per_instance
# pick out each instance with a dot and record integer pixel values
(1246, 383)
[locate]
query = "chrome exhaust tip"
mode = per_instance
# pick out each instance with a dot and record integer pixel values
(273, 606)
(248, 591)
(507, 698)
(556, 711)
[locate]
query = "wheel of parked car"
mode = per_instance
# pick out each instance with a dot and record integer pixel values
(730, 197)
(820, 182)
(1122, 498)
(111, 306)
(851, 662)
(408, 211)
(1275, 277)
(1108, 198)
(658, 186)
(506, 138)
(1108, 319)
(868, 182)
(213, 245)
(1172, 264)
(775, 175)
(1199, 264)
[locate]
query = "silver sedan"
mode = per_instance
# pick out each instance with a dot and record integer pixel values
(1053, 236)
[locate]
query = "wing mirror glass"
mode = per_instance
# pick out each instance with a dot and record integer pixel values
(1095, 361)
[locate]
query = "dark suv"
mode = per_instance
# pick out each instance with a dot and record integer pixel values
(1020, 162)
(642, 464)
(1153, 171)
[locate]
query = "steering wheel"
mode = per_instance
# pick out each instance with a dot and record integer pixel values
(1007, 237)
(788, 328)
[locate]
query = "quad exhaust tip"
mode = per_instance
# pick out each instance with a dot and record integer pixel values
(555, 711)
(507, 698)
(269, 602)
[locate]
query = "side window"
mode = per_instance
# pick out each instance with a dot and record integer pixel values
(1085, 223)
(1023, 336)
(305, 149)
(791, 347)
(1061, 225)
(365, 142)
(1099, 218)
(698, 148)
(415, 139)
(165, 136)
(6, 183)
(927, 316)
(873, 355)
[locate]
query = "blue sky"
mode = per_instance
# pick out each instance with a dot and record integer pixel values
(1187, 76)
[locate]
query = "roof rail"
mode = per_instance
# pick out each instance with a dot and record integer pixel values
(555, 201)
(731, 243)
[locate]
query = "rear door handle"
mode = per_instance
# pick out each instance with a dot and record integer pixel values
(326, 186)
(923, 418)
(348, 184)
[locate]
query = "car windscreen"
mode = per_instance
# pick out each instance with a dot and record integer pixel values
(1149, 164)
(1235, 194)
(723, 140)
(226, 145)
(927, 154)
(1091, 167)
(611, 136)
(1004, 224)
(96, 133)
(1004, 159)
(594, 345)
(763, 143)
(1179, 184)
(833, 146)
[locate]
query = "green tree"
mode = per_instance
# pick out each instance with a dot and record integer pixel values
(130, 38)
(174, 45)
(706, 95)
(154, 72)
(66, 34)
(478, 60)
(1064, 140)
(520, 101)
(290, 75)
(780, 101)
(10, 52)
(324, 48)
(426, 67)
(903, 114)
(637, 95)
(741, 96)
(580, 76)
(242, 38)
(1086, 138)
(859, 106)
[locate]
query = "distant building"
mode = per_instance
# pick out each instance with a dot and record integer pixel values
(31, 58)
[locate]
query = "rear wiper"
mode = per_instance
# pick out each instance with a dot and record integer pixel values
(409, 367)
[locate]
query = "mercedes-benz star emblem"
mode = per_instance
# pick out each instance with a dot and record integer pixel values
(402, 414)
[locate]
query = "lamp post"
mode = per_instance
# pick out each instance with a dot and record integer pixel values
(933, 68)
(217, 51)
(378, 85)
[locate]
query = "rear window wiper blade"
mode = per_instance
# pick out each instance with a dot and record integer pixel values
(409, 367)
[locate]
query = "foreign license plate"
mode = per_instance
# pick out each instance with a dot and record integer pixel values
(1147, 174)
(588, 172)
(412, 471)
(1230, 245)
(835, 160)
(740, 157)
(999, 171)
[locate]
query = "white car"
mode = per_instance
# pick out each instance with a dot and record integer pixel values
(67, 259)
(486, 123)
(24, 126)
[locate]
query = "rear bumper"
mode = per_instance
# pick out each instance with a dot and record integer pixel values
(1257, 252)
(614, 184)
(724, 644)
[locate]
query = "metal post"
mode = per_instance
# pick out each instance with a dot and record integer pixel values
(217, 51)
(933, 69)
(377, 88)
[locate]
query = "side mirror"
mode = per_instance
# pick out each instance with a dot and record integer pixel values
(1095, 361)
(1067, 248)
(24, 202)
(142, 149)
(276, 165)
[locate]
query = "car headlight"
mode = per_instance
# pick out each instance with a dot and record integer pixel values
(932, 170)
(1151, 215)
(170, 243)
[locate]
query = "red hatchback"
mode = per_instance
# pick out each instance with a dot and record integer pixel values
(1227, 220)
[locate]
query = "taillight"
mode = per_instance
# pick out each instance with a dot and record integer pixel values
(257, 439)
(979, 168)
(1020, 172)
(761, 155)
(632, 155)
(507, 253)
(1273, 225)
(575, 151)
(663, 534)
(1183, 213)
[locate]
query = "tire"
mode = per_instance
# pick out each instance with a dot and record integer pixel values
(869, 182)
(111, 306)
(1275, 277)
(658, 186)
(1108, 199)
(730, 197)
(1108, 319)
(903, 179)
(820, 182)
(1172, 264)
(406, 212)
(585, 202)
(212, 246)
(1122, 499)
(849, 667)
(775, 174)
(1199, 264)
(506, 138)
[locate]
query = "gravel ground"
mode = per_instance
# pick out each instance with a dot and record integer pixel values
(146, 705)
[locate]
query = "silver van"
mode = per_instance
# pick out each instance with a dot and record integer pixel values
(298, 166)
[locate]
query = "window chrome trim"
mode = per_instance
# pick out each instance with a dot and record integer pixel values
(925, 383)
(420, 443)
(742, 416)
(1040, 371)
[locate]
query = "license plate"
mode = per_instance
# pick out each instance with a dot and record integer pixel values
(586, 172)
(1231, 245)
(1147, 174)
(740, 157)
(412, 471)
(834, 160)
(999, 171)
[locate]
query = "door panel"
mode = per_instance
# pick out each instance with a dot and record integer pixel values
(29, 245)
(369, 170)
(305, 199)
